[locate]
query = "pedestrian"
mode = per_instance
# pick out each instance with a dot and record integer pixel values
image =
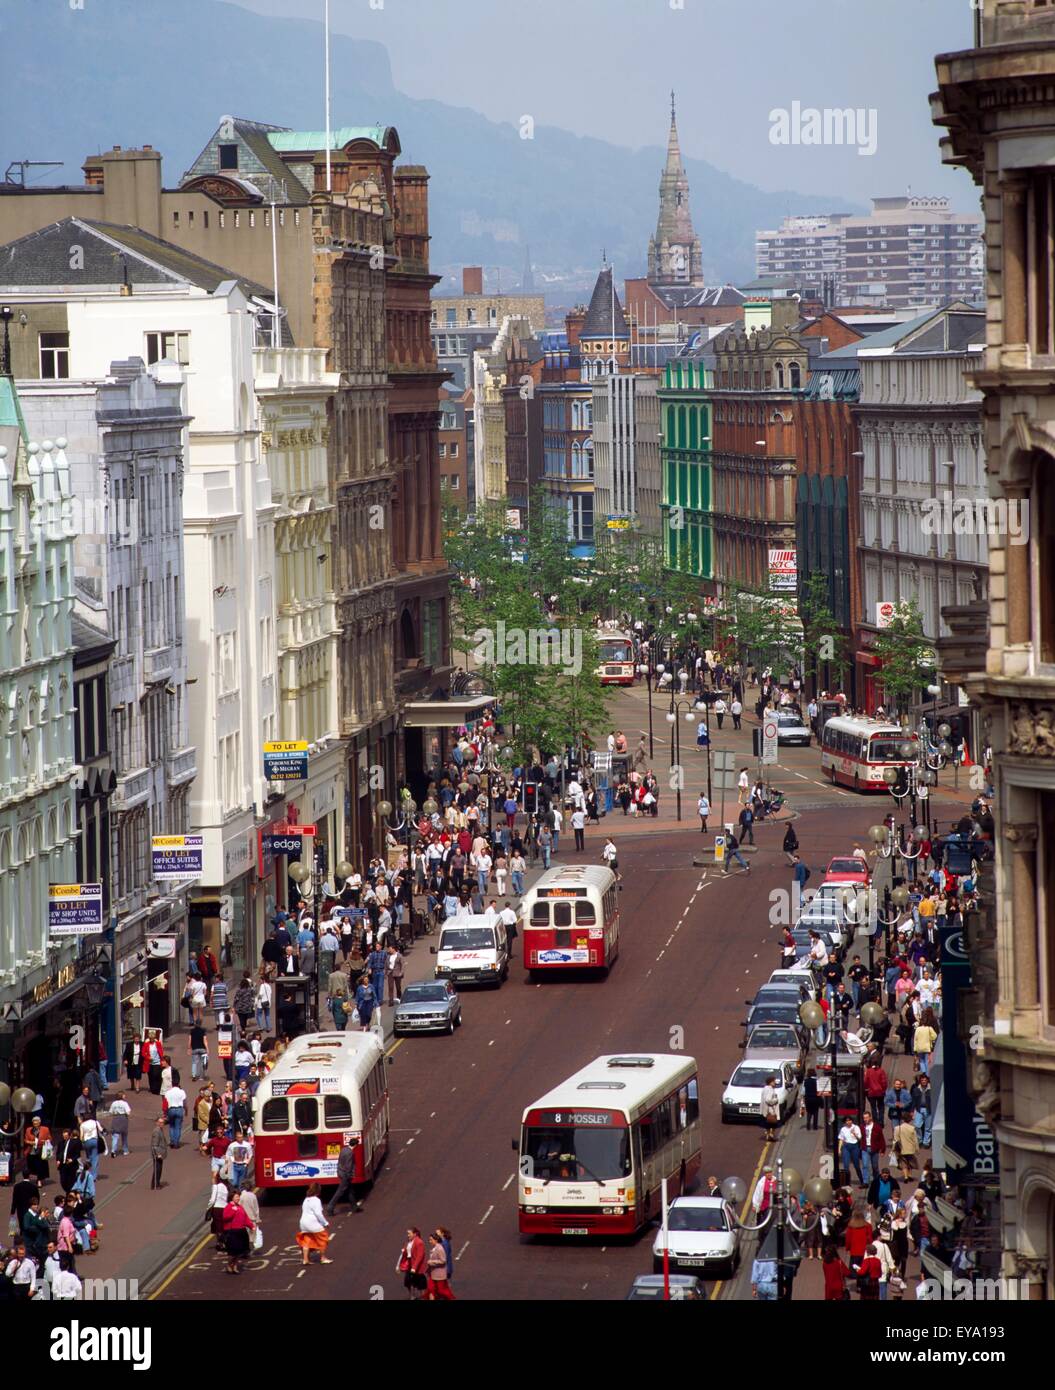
(770, 1108)
(811, 1100)
(703, 810)
(376, 964)
(517, 869)
(923, 1040)
(545, 844)
(218, 1198)
(501, 871)
(610, 855)
(906, 1144)
(239, 1156)
(578, 825)
(857, 1236)
(736, 709)
(263, 1004)
(835, 1275)
(869, 1271)
(90, 1134)
(747, 824)
(244, 1002)
(159, 1147)
(394, 970)
(133, 1061)
(446, 1241)
(345, 1189)
(412, 1263)
(364, 1003)
(743, 787)
(732, 851)
(850, 1149)
(436, 1283)
(154, 1057)
(720, 708)
(703, 738)
(791, 844)
(337, 990)
(238, 1228)
(313, 1233)
(21, 1272)
(764, 1279)
(176, 1101)
(120, 1110)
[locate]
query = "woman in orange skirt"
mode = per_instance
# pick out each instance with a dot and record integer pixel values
(313, 1233)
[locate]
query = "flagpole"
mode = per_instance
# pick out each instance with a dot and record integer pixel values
(326, 25)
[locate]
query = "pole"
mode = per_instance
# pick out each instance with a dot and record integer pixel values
(833, 1041)
(274, 268)
(651, 679)
(111, 1012)
(666, 1244)
(779, 1199)
(326, 23)
(677, 756)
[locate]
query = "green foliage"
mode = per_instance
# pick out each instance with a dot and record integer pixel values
(905, 655)
(824, 644)
(756, 625)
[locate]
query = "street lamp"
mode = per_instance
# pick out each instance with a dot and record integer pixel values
(689, 708)
(811, 1015)
(778, 1217)
(305, 879)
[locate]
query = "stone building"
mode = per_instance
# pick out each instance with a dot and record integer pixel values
(626, 453)
(995, 104)
(604, 339)
(675, 256)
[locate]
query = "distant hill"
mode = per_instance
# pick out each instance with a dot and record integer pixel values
(133, 72)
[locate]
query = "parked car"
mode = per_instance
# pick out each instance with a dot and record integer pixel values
(650, 1286)
(846, 868)
(791, 730)
(801, 937)
(825, 915)
(429, 1006)
(780, 991)
(800, 975)
(702, 1234)
(772, 1011)
(742, 1096)
(772, 1044)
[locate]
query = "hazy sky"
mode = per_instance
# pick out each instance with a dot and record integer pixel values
(605, 68)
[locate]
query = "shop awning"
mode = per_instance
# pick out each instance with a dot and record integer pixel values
(443, 714)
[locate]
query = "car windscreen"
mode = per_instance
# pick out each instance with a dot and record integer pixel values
(691, 1218)
(467, 939)
(750, 1077)
(789, 720)
(774, 1037)
(572, 1153)
(430, 994)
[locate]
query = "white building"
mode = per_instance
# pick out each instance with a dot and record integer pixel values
(626, 452)
(93, 294)
(38, 775)
(293, 387)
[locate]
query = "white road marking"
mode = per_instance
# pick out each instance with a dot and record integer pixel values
(487, 1213)
(508, 1181)
(408, 1143)
(432, 1116)
(802, 775)
(491, 1043)
(462, 1251)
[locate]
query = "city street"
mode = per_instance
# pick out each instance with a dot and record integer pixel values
(695, 944)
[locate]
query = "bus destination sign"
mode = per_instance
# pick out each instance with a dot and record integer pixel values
(578, 1119)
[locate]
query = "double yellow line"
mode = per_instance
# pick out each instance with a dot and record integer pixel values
(744, 1209)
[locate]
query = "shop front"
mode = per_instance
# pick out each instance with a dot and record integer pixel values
(222, 907)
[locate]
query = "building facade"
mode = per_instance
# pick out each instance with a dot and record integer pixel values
(994, 102)
(626, 453)
(675, 256)
(685, 464)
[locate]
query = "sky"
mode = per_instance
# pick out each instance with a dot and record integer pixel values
(606, 67)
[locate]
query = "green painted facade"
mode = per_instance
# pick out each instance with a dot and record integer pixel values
(685, 450)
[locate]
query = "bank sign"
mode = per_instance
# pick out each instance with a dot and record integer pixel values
(75, 909)
(177, 856)
(286, 762)
(967, 1135)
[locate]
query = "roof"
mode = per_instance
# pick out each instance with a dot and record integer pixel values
(111, 254)
(956, 328)
(87, 638)
(692, 297)
(291, 141)
(617, 1081)
(604, 317)
(837, 384)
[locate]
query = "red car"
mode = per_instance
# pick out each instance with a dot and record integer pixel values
(847, 869)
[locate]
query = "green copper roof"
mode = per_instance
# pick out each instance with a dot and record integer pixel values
(10, 410)
(292, 140)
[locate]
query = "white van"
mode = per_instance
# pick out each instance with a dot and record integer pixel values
(472, 950)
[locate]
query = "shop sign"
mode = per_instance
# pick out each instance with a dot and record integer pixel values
(177, 856)
(75, 909)
(286, 762)
(54, 983)
(783, 570)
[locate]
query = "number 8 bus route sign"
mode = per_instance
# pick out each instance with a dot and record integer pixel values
(75, 909)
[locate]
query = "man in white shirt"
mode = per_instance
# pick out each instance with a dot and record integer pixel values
(22, 1271)
(66, 1287)
(818, 952)
(558, 822)
(483, 871)
(176, 1100)
(578, 824)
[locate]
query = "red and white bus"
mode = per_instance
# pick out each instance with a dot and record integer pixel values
(595, 1150)
(857, 752)
(570, 920)
(327, 1089)
(618, 662)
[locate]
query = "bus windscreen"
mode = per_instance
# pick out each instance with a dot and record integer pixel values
(575, 1153)
(885, 748)
(611, 650)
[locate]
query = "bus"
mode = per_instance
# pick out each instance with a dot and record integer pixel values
(326, 1090)
(570, 920)
(618, 662)
(595, 1150)
(857, 752)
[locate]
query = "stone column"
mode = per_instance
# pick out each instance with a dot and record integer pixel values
(1022, 838)
(1019, 605)
(1013, 280)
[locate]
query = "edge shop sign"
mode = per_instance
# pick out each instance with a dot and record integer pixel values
(175, 857)
(967, 1134)
(75, 909)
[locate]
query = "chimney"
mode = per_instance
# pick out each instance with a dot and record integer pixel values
(131, 181)
(472, 279)
(573, 322)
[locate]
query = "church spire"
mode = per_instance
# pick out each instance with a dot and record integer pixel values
(674, 253)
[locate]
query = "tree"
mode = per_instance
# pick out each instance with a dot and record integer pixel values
(823, 643)
(756, 626)
(904, 654)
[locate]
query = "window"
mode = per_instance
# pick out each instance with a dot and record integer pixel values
(338, 1110)
(228, 156)
(54, 356)
(585, 915)
(452, 318)
(174, 346)
(454, 451)
(443, 451)
(275, 1115)
(454, 482)
(305, 1113)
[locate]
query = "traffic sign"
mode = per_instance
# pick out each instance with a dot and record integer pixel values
(724, 759)
(770, 744)
(719, 849)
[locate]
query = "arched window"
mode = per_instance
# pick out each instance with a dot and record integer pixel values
(778, 372)
(795, 376)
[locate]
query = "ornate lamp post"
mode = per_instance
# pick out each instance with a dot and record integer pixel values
(779, 1217)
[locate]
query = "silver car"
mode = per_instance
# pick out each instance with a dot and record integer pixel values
(430, 1006)
(791, 729)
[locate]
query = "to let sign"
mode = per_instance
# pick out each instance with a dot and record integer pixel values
(177, 856)
(286, 762)
(75, 909)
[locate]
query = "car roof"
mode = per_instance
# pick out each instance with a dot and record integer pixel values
(652, 1281)
(698, 1202)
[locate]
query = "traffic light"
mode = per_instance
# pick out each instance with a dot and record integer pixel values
(530, 798)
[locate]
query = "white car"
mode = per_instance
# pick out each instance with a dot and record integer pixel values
(742, 1097)
(703, 1236)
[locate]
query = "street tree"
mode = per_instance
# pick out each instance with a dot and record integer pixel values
(905, 656)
